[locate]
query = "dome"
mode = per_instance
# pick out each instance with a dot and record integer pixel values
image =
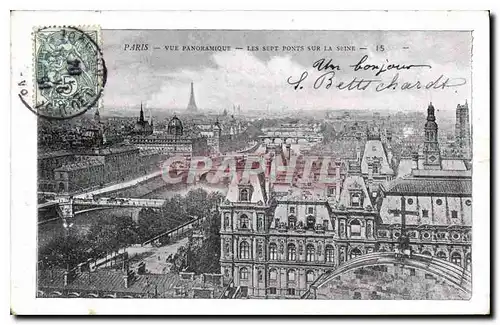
(174, 127)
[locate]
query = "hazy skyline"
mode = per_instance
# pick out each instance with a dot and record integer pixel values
(258, 79)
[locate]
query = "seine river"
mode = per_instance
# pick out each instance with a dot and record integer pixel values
(83, 221)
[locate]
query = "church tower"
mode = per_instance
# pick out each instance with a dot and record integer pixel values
(141, 115)
(192, 104)
(432, 154)
(462, 131)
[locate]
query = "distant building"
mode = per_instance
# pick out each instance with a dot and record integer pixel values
(462, 131)
(429, 157)
(142, 127)
(173, 141)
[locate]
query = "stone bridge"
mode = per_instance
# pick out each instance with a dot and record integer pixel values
(65, 206)
(451, 273)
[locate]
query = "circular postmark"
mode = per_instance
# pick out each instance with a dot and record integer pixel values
(70, 72)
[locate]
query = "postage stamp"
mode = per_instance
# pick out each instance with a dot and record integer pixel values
(298, 166)
(69, 71)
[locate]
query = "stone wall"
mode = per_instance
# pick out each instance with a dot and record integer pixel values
(390, 282)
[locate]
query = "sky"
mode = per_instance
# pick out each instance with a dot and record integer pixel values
(258, 79)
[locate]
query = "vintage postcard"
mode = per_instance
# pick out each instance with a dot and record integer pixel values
(250, 163)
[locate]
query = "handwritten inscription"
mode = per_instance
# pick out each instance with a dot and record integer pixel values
(329, 69)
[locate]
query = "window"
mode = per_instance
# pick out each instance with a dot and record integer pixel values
(310, 253)
(292, 252)
(277, 222)
(291, 275)
(260, 276)
(244, 273)
(355, 252)
(412, 272)
(290, 291)
(441, 235)
(426, 235)
(425, 213)
(273, 274)
(271, 291)
(355, 228)
(244, 250)
(260, 222)
(244, 195)
(292, 209)
(456, 258)
(329, 253)
(292, 222)
(311, 222)
(439, 201)
(273, 251)
(426, 253)
(325, 224)
(441, 255)
(375, 169)
(331, 191)
(468, 203)
(410, 201)
(310, 210)
(355, 200)
(310, 276)
(468, 261)
(244, 222)
(454, 214)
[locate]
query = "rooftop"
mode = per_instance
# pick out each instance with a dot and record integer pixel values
(428, 186)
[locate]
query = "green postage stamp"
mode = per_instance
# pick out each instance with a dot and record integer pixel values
(69, 71)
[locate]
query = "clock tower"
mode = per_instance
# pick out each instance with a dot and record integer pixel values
(432, 154)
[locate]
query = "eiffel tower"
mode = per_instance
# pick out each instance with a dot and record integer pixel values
(192, 104)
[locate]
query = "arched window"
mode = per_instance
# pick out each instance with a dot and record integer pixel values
(244, 250)
(441, 255)
(310, 276)
(456, 258)
(243, 273)
(355, 252)
(292, 252)
(310, 250)
(244, 222)
(273, 251)
(291, 275)
(61, 187)
(329, 253)
(310, 222)
(355, 228)
(244, 195)
(468, 261)
(273, 274)
(426, 253)
(292, 221)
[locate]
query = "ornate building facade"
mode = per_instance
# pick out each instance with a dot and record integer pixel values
(275, 244)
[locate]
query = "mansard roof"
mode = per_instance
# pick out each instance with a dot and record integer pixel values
(429, 186)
